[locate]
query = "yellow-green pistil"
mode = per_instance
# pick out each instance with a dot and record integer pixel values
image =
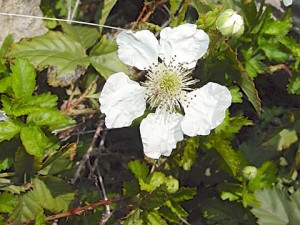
(170, 83)
(166, 85)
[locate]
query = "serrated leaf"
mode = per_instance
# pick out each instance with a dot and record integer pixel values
(7, 202)
(294, 85)
(104, 58)
(9, 39)
(66, 57)
(30, 204)
(281, 140)
(9, 129)
(131, 188)
(22, 78)
(153, 218)
(265, 177)
(237, 96)
(176, 208)
(224, 212)
(34, 103)
(154, 199)
(233, 160)
(57, 162)
(153, 181)
(105, 10)
(26, 208)
(34, 140)
(244, 81)
(273, 49)
(84, 35)
(134, 218)
(5, 85)
(25, 164)
(168, 214)
(189, 153)
(273, 208)
(184, 193)
(139, 169)
(52, 118)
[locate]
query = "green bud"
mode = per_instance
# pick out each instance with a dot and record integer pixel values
(249, 172)
(229, 23)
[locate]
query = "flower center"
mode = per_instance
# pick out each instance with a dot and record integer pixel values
(170, 83)
(167, 84)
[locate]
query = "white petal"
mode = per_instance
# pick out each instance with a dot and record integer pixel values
(186, 43)
(206, 109)
(138, 49)
(160, 131)
(287, 2)
(3, 116)
(122, 100)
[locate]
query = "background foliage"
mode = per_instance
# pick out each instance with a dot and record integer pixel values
(59, 163)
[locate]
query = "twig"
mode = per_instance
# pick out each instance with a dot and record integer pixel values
(75, 9)
(86, 157)
(69, 9)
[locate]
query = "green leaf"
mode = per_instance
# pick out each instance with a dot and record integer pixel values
(7, 202)
(224, 213)
(34, 140)
(237, 96)
(154, 199)
(174, 6)
(273, 49)
(107, 7)
(244, 81)
(25, 165)
(278, 27)
(84, 35)
(176, 208)
(168, 214)
(67, 58)
(134, 218)
(22, 78)
(6, 44)
(232, 125)
(153, 218)
(52, 118)
(104, 58)
(265, 177)
(139, 169)
(33, 104)
(281, 140)
(153, 181)
(294, 85)
(223, 147)
(184, 193)
(57, 162)
(9, 129)
(276, 207)
(189, 153)
(5, 85)
(55, 198)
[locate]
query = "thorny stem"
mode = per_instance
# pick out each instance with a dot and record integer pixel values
(82, 209)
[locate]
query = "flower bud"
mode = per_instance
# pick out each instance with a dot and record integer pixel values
(249, 172)
(229, 23)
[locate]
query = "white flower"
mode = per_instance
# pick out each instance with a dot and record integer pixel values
(230, 23)
(169, 63)
(287, 2)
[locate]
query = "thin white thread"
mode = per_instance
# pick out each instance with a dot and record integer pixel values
(63, 20)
